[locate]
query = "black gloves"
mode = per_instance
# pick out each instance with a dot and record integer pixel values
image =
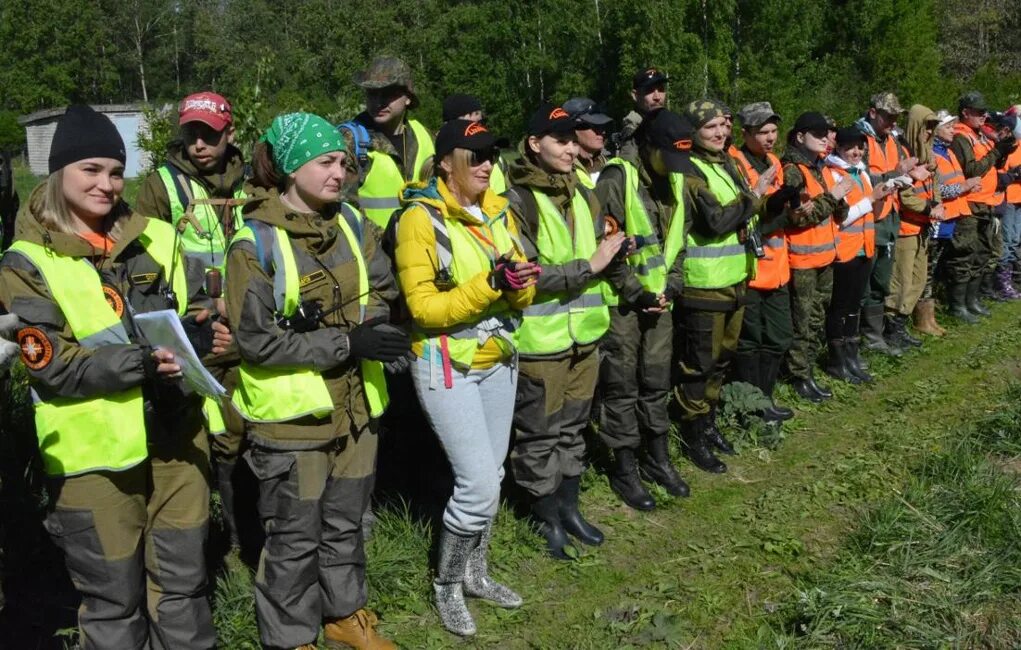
(200, 335)
(1005, 146)
(647, 300)
(777, 200)
(379, 341)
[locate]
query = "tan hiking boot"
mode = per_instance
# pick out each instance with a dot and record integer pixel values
(357, 631)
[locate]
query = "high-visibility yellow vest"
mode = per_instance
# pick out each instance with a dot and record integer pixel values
(556, 321)
(584, 177)
(721, 261)
(272, 394)
(460, 253)
(650, 263)
(210, 246)
(105, 432)
(380, 192)
(498, 179)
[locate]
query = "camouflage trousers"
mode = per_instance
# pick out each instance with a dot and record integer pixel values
(974, 249)
(810, 297)
(134, 544)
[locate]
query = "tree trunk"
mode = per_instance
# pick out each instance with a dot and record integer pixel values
(141, 60)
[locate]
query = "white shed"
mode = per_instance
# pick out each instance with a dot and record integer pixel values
(39, 128)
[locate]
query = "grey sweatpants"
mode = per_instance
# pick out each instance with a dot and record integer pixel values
(472, 419)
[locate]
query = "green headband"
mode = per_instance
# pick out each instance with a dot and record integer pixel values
(297, 138)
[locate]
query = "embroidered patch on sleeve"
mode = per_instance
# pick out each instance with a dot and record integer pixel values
(36, 349)
(114, 299)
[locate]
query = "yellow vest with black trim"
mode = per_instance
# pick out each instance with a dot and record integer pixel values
(554, 322)
(461, 254)
(105, 432)
(272, 394)
(380, 192)
(651, 262)
(210, 246)
(722, 261)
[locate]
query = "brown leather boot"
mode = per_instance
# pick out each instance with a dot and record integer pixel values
(357, 631)
(924, 317)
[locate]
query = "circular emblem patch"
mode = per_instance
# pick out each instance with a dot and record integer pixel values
(114, 300)
(36, 349)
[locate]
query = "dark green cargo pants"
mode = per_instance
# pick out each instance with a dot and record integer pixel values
(706, 345)
(810, 298)
(552, 409)
(766, 327)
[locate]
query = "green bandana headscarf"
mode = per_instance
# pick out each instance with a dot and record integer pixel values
(702, 111)
(297, 138)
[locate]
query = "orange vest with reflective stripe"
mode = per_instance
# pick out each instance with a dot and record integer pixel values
(950, 173)
(883, 159)
(1014, 189)
(774, 270)
(862, 232)
(980, 146)
(812, 247)
(911, 223)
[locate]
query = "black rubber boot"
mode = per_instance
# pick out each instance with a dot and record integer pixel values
(625, 483)
(570, 516)
(853, 359)
(803, 387)
(715, 436)
(837, 365)
(769, 368)
(225, 486)
(973, 302)
(821, 390)
(656, 467)
(957, 294)
(745, 367)
(872, 326)
(546, 512)
(897, 332)
(696, 445)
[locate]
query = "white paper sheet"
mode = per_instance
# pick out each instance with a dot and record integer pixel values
(163, 329)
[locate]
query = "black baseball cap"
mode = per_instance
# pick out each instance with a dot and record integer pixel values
(811, 121)
(463, 134)
(454, 106)
(551, 120)
(848, 135)
(672, 134)
(584, 110)
(646, 77)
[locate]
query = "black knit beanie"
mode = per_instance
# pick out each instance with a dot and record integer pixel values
(83, 133)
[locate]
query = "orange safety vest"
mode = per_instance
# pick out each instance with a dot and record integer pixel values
(911, 223)
(1014, 189)
(774, 270)
(950, 173)
(884, 159)
(862, 232)
(980, 145)
(812, 247)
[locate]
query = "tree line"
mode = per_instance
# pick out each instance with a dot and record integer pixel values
(269, 56)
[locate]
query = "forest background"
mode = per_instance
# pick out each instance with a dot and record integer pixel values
(269, 56)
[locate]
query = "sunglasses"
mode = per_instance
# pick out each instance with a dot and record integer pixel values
(592, 127)
(822, 134)
(478, 157)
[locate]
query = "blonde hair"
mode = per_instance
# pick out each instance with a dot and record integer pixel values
(460, 169)
(51, 209)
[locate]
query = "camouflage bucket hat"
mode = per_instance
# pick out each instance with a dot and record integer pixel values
(386, 71)
(702, 111)
(887, 102)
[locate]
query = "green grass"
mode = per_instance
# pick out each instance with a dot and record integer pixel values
(884, 518)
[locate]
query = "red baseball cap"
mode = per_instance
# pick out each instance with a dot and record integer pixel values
(208, 108)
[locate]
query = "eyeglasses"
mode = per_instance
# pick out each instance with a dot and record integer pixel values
(484, 156)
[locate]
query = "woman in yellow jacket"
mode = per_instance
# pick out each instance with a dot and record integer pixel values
(465, 282)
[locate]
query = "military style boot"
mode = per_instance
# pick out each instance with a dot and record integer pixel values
(693, 433)
(872, 331)
(957, 293)
(570, 515)
(624, 481)
(355, 631)
(477, 582)
(656, 467)
(715, 436)
(769, 369)
(975, 305)
(897, 332)
(546, 513)
(448, 586)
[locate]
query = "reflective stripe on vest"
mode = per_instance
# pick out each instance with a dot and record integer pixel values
(464, 256)
(721, 261)
(269, 394)
(812, 247)
(861, 233)
(380, 192)
(554, 322)
(651, 262)
(986, 193)
(210, 246)
(774, 270)
(951, 175)
(105, 432)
